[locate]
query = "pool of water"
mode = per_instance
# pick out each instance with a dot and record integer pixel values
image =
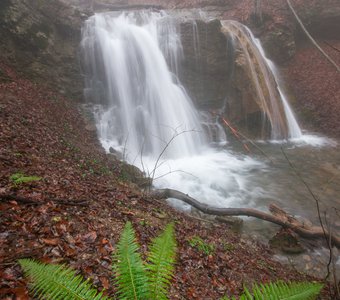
(314, 162)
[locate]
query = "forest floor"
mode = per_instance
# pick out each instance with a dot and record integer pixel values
(318, 83)
(75, 212)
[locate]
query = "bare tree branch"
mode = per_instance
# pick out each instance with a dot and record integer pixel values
(311, 38)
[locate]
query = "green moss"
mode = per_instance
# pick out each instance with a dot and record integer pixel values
(228, 247)
(39, 34)
(201, 245)
(20, 178)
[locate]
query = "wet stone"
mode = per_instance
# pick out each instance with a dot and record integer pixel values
(286, 241)
(306, 257)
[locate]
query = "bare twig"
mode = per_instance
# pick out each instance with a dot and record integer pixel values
(239, 134)
(312, 39)
(309, 190)
(330, 45)
(329, 228)
(331, 260)
(176, 134)
(327, 233)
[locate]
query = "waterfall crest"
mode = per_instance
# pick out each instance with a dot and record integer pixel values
(143, 106)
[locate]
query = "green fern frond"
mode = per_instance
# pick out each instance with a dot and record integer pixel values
(283, 291)
(289, 291)
(161, 263)
(130, 272)
(58, 282)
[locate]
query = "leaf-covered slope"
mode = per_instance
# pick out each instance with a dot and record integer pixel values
(42, 134)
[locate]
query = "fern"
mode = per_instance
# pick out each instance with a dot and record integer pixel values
(161, 263)
(283, 291)
(130, 271)
(57, 282)
(137, 281)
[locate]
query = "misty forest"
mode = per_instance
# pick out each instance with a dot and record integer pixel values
(179, 149)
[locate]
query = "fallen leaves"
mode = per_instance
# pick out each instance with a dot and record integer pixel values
(318, 104)
(51, 242)
(90, 237)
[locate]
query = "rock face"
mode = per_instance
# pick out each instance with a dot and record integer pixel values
(279, 44)
(204, 71)
(223, 70)
(42, 39)
(254, 102)
(110, 5)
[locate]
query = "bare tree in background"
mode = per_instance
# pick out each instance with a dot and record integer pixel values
(258, 11)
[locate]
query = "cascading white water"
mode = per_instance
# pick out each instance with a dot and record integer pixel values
(294, 130)
(147, 107)
(265, 80)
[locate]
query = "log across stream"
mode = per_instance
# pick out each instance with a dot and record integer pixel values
(277, 215)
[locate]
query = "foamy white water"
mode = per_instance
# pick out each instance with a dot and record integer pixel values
(314, 141)
(215, 177)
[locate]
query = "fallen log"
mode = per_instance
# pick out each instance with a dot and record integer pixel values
(278, 216)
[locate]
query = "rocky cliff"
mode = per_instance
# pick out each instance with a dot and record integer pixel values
(41, 39)
(206, 65)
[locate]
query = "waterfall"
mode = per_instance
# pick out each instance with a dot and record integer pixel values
(143, 107)
(131, 61)
(265, 81)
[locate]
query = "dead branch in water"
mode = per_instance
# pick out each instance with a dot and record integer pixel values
(277, 215)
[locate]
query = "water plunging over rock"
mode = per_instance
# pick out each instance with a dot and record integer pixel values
(141, 106)
(144, 104)
(135, 63)
(255, 98)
